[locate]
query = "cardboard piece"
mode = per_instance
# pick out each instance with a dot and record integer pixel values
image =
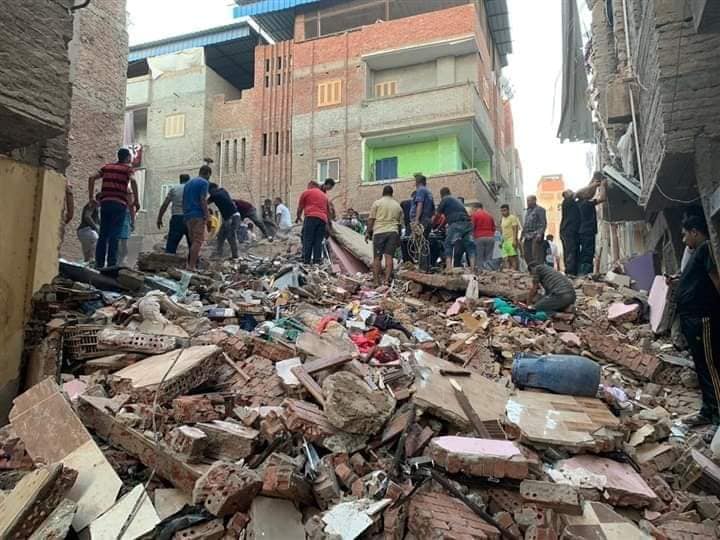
(64, 439)
(435, 393)
(559, 420)
(109, 525)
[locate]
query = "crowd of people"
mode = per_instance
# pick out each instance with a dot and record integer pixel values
(108, 218)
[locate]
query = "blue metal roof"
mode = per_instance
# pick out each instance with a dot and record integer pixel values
(263, 7)
(212, 36)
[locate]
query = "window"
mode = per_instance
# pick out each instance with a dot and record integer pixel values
(287, 141)
(174, 126)
(386, 169)
(278, 79)
(278, 63)
(329, 93)
(164, 190)
(267, 81)
(277, 143)
(218, 152)
(242, 154)
(235, 156)
(267, 64)
(226, 157)
(265, 144)
(386, 89)
(328, 168)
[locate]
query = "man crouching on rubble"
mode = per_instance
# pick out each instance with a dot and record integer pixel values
(559, 291)
(698, 305)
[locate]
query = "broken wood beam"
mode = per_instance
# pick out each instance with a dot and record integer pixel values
(322, 364)
(310, 384)
(467, 408)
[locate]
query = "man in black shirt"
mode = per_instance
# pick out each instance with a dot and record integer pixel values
(588, 229)
(698, 306)
(569, 228)
(231, 219)
(559, 291)
(459, 229)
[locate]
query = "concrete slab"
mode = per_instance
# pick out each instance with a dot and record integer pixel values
(275, 519)
(111, 523)
(482, 457)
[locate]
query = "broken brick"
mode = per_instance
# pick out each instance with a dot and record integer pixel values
(193, 409)
(229, 440)
(346, 475)
(237, 523)
(187, 442)
(275, 352)
(437, 515)
(325, 487)
(226, 488)
(561, 497)
(212, 530)
(308, 419)
(482, 457)
(611, 349)
(283, 482)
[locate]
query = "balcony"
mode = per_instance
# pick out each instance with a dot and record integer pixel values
(138, 92)
(441, 105)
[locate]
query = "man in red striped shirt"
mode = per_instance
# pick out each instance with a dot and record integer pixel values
(115, 197)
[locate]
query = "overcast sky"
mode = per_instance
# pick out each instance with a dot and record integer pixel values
(534, 71)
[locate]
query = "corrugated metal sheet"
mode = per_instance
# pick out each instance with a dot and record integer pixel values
(262, 7)
(499, 20)
(204, 38)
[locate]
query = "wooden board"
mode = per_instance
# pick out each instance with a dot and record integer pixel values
(435, 394)
(194, 366)
(63, 438)
(558, 420)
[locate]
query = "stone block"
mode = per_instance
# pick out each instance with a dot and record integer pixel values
(352, 406)
(561, 497)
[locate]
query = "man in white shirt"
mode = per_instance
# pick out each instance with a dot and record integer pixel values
(553, 255)
(282, 216)
(177, 221)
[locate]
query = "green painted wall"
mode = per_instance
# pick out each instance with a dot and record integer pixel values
(484, 169)
(431, 157)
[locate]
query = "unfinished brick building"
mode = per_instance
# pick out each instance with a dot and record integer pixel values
(370, 92)
(656, 70)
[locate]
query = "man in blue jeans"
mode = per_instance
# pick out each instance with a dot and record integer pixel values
(115, 198)
(177, 229)
(459, 229)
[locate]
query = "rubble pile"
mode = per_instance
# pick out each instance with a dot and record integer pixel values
(262, 399)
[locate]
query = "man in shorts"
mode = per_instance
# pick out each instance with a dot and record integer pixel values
(510, 228)
(384, 225)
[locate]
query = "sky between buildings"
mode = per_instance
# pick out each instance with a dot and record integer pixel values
(534, 71)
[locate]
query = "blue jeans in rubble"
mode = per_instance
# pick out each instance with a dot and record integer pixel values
(112, 217)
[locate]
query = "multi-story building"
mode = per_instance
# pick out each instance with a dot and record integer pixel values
(655, 75)
(549, 196)
(364, 91)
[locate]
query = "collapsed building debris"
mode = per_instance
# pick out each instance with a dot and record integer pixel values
(261, 399)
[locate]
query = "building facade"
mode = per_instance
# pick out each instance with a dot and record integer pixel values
(655, 73)
(549, 196)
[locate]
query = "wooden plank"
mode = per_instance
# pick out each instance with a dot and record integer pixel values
(310, 384)
(435, 394)
(469, 411)
(326, 363)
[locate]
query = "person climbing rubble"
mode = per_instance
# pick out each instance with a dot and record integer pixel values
(559, 293)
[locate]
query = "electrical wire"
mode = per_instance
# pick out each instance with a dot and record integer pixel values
(657, 186)
(418, 245)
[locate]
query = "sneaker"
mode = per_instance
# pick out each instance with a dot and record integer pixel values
(698, 419)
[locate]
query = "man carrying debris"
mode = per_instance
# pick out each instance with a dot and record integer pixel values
(384, 227)
(248, 211)
(698, 305)
(114, 197)
(195, 212)
(231, 220)
(177, 229)
(459, 230)
(559, 291)
(314, 204)
(569, 229)
(533, 234)
(421, 213)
